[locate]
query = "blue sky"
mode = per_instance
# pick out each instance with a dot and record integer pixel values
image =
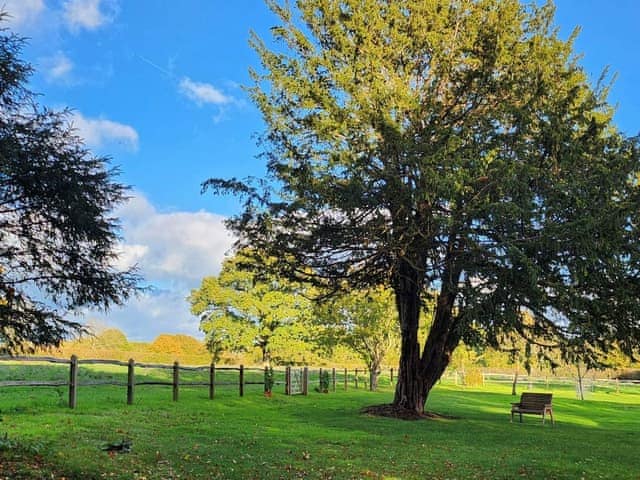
(155, 84)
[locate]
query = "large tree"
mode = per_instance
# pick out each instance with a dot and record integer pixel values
(57, 236)
(448, 145)
(240, 309)
(364, 320)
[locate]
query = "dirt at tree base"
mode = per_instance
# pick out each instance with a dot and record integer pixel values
(390, 410)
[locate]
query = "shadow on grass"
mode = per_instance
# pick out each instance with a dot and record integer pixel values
(322, 436)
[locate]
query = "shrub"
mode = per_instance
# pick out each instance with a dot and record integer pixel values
(268, 379)
(473, 377)
(324, 382)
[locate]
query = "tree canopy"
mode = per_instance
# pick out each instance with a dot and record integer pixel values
(454, 146)
(240, 309)
(364, 320)
(57, 235)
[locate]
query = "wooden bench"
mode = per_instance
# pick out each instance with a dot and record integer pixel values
(535, 404)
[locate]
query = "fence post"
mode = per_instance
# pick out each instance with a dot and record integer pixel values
(356, 381)
(212, 380)
(73, 382)
(176, 380)
(287, 381)
(346, 378)
(333, 378)
(131, 381)
(305, 381)
(391, 376)
(241, 380)
(320, 378)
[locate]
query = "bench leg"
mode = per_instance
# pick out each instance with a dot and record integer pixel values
(543, 417)
(520, 418)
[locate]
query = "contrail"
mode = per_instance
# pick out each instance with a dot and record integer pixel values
(156, 66)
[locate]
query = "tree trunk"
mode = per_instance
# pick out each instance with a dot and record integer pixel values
(444, 337)
(417, 374)
(374, 371)
(266, 356)
(515, 382)
(410, 391)
(580, 387)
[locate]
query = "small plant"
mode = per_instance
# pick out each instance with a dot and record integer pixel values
(268, 380)
(7, 443)
(324, 382)
(61, 399)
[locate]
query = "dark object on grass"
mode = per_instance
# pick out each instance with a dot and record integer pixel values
(124, 446)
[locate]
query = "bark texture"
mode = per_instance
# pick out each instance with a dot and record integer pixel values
(419, 372)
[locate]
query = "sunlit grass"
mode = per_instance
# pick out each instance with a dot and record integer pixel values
(319, 436)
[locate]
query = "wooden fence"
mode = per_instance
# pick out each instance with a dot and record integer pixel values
(74, 363)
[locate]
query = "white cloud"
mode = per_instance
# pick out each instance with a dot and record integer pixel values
(173, 251)
(89, 14)
(130, 255)
(203, 93)
(22, 12)
(145, 317)
(173, 247)
(57, 67)
(98, 132)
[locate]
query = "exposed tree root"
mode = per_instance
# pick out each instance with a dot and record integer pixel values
(392, 411)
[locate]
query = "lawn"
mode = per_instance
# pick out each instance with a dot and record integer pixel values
(319, 436)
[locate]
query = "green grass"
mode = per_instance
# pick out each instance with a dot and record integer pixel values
(319, 436)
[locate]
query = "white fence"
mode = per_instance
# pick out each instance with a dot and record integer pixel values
(590, 383)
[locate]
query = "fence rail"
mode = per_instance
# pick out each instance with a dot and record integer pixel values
(298, 383)
(356, 377)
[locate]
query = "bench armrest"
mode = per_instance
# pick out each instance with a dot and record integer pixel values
(515, 404)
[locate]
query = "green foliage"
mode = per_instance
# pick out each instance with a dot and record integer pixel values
(242, 308)
(472, 377)
(323, 381)
(365, 320)
(269, 379)
(58, 237)
(454, 146)
(7, 443)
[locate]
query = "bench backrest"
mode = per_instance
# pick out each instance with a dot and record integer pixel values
(535, 401)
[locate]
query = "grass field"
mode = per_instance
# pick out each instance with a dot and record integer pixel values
(319, 436)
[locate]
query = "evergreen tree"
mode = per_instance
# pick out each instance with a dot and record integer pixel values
(57, 235)
(449, 145)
